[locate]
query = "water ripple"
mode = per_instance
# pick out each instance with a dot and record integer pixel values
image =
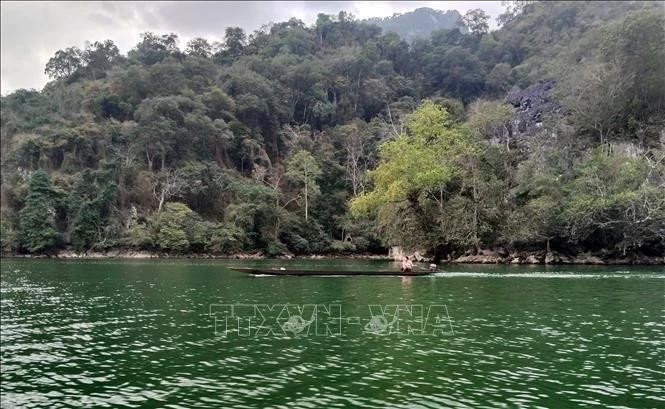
(113, 334)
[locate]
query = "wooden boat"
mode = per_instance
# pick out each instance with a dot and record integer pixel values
(302, 272)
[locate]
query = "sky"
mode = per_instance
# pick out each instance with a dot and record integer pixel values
(31, 32)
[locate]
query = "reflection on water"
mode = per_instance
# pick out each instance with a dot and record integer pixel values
(138, 333)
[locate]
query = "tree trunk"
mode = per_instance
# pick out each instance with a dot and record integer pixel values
(441, 199)
(161, 203)
(475, 208)
(306, 199)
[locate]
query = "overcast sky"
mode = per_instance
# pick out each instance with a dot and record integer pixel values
(33, 31)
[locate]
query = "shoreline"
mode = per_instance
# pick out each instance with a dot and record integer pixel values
(522, 258)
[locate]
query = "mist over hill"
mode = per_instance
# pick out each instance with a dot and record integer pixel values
(419, 23)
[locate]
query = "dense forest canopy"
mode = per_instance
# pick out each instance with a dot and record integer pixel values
(335, 138)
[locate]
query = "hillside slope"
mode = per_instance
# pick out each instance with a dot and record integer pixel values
(419, 23)
(546, 135)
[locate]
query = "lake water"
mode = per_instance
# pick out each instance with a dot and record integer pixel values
(158, 334)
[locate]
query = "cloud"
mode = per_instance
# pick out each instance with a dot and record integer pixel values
(31, 32)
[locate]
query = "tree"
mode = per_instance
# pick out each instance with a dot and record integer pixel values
(168, 184)
(37, 218)
(498, 79)
(99, 57)
(491, 120)
(616, 202)
(170, 227)
(596, 97)
(162, 124)
(235, 41)
(323, 27)
(456, 72)
(414, 169)
(154, 48)
(426, 158)
(633, 48)
(540, 219)
(516, 6)
(199, 47)
(476, 21)
(64, 63)
(89, 209)
(357, 156)
(303, 169)
(513, 9)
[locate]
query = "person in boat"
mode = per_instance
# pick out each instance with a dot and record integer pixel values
(407, 265)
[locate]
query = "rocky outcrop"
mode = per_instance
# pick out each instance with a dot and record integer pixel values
(533, 104)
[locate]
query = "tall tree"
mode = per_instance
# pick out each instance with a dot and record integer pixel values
(476, 21)
(491, 120)
(89, 209)
(235, 41)
(303, 169)
(596, 97)
(37, 218)
(199, 47)
(99, 57)
(64, 63)
(154, 48)
(417, 165)
(357, 156)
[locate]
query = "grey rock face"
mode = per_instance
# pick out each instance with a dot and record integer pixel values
(533, 105)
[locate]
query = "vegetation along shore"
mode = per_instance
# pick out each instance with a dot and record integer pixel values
(484, 257)
(542, 140)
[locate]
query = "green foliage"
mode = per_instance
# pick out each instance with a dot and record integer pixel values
(491, 120)
(262, 142)
(225, 239)
(37, 218)
(89, 210)
(456, 72)
(9, 243)
(476, 21)
(613, 202)
(255, 212)
(199, 47)
(139, 237)
(425, 159)
(304, 236)
(155, 48)
(177, 228)
(343, 247)
(64, 63)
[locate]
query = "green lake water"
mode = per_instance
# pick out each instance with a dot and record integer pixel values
(151, 334)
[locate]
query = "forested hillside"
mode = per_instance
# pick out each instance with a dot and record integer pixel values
(419, 23)
(546, 134)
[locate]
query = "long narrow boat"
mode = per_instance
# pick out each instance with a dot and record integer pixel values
(302, 272)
